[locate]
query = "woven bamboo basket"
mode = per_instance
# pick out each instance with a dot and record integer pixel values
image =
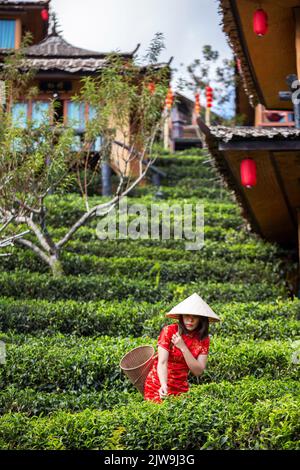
(136, 364)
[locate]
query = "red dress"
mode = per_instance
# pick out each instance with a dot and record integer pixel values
(177, 367)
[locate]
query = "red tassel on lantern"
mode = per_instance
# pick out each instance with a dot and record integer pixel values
(260, 22)
(248, 172)
(45, 14)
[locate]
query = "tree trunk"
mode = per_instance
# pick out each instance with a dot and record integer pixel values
(56, 266)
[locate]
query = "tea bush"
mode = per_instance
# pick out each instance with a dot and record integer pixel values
(61, 386)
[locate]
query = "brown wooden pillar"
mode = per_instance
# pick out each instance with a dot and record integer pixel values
(297, 39)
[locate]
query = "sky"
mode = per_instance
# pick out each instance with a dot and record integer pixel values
(110, 25)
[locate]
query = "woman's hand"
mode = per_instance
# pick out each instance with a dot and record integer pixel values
(178, 341)
(163, 391)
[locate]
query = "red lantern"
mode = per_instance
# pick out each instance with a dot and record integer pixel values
(209, 97)
(197, 104)
(248, 172)
(45, 14)
(151, 87)
(169, 99)
(260, 22)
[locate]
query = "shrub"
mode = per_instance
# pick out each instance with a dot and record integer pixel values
(215, 416)
(70, 363)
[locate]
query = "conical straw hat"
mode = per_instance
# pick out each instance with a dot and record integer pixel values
(193, 305)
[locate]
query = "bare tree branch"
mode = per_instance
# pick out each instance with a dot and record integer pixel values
(35, 248)
(7, 223)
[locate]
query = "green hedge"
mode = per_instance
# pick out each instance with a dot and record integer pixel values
(228, 252)
(26, 285)
(87, 233)
(216, 416)
(132, 249)
(194, 188)
(277, 320)
(70, 363)
(214, 270)
(211, 233)
(65, 211)
(33, 403)
(81, 318)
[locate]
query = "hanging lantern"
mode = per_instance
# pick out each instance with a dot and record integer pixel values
(248, 172)
(260, 22)
(45, 14)
(197, 104)
(169, 99)
(151, 87)
(209, 97)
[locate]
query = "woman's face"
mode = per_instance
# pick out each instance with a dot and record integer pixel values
(191, 321)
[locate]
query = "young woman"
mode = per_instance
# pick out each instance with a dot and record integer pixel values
(182, 347)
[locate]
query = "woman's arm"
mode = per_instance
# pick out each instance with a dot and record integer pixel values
(162, 370)
(196, 366)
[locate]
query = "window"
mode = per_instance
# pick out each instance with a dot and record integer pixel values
(77, 116)
(98, 141)
(7, 34)
(19, 114)
(40, 110)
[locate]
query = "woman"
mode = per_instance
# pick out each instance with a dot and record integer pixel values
(182, 347)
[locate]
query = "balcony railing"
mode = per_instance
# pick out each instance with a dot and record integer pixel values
(274, 118)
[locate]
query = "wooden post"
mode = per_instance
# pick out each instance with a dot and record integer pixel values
(166, 131)
(297, 46)
(207, 116)
(297, 39)
(106, 179)
(18, 33)
(259, 115)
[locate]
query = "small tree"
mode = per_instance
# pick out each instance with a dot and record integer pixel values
(204, 72)
(39, 160)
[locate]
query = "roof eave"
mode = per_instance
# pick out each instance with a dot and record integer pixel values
(233, 32)
(227, 177)
(19, 6)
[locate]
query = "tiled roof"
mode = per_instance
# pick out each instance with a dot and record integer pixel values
(21, 2)
(54, 53)
(70, 65)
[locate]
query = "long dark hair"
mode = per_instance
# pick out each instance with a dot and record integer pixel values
(202, 328)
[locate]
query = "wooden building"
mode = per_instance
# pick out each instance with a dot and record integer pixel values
(183, 130)
(60, 67)
(268, 65)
